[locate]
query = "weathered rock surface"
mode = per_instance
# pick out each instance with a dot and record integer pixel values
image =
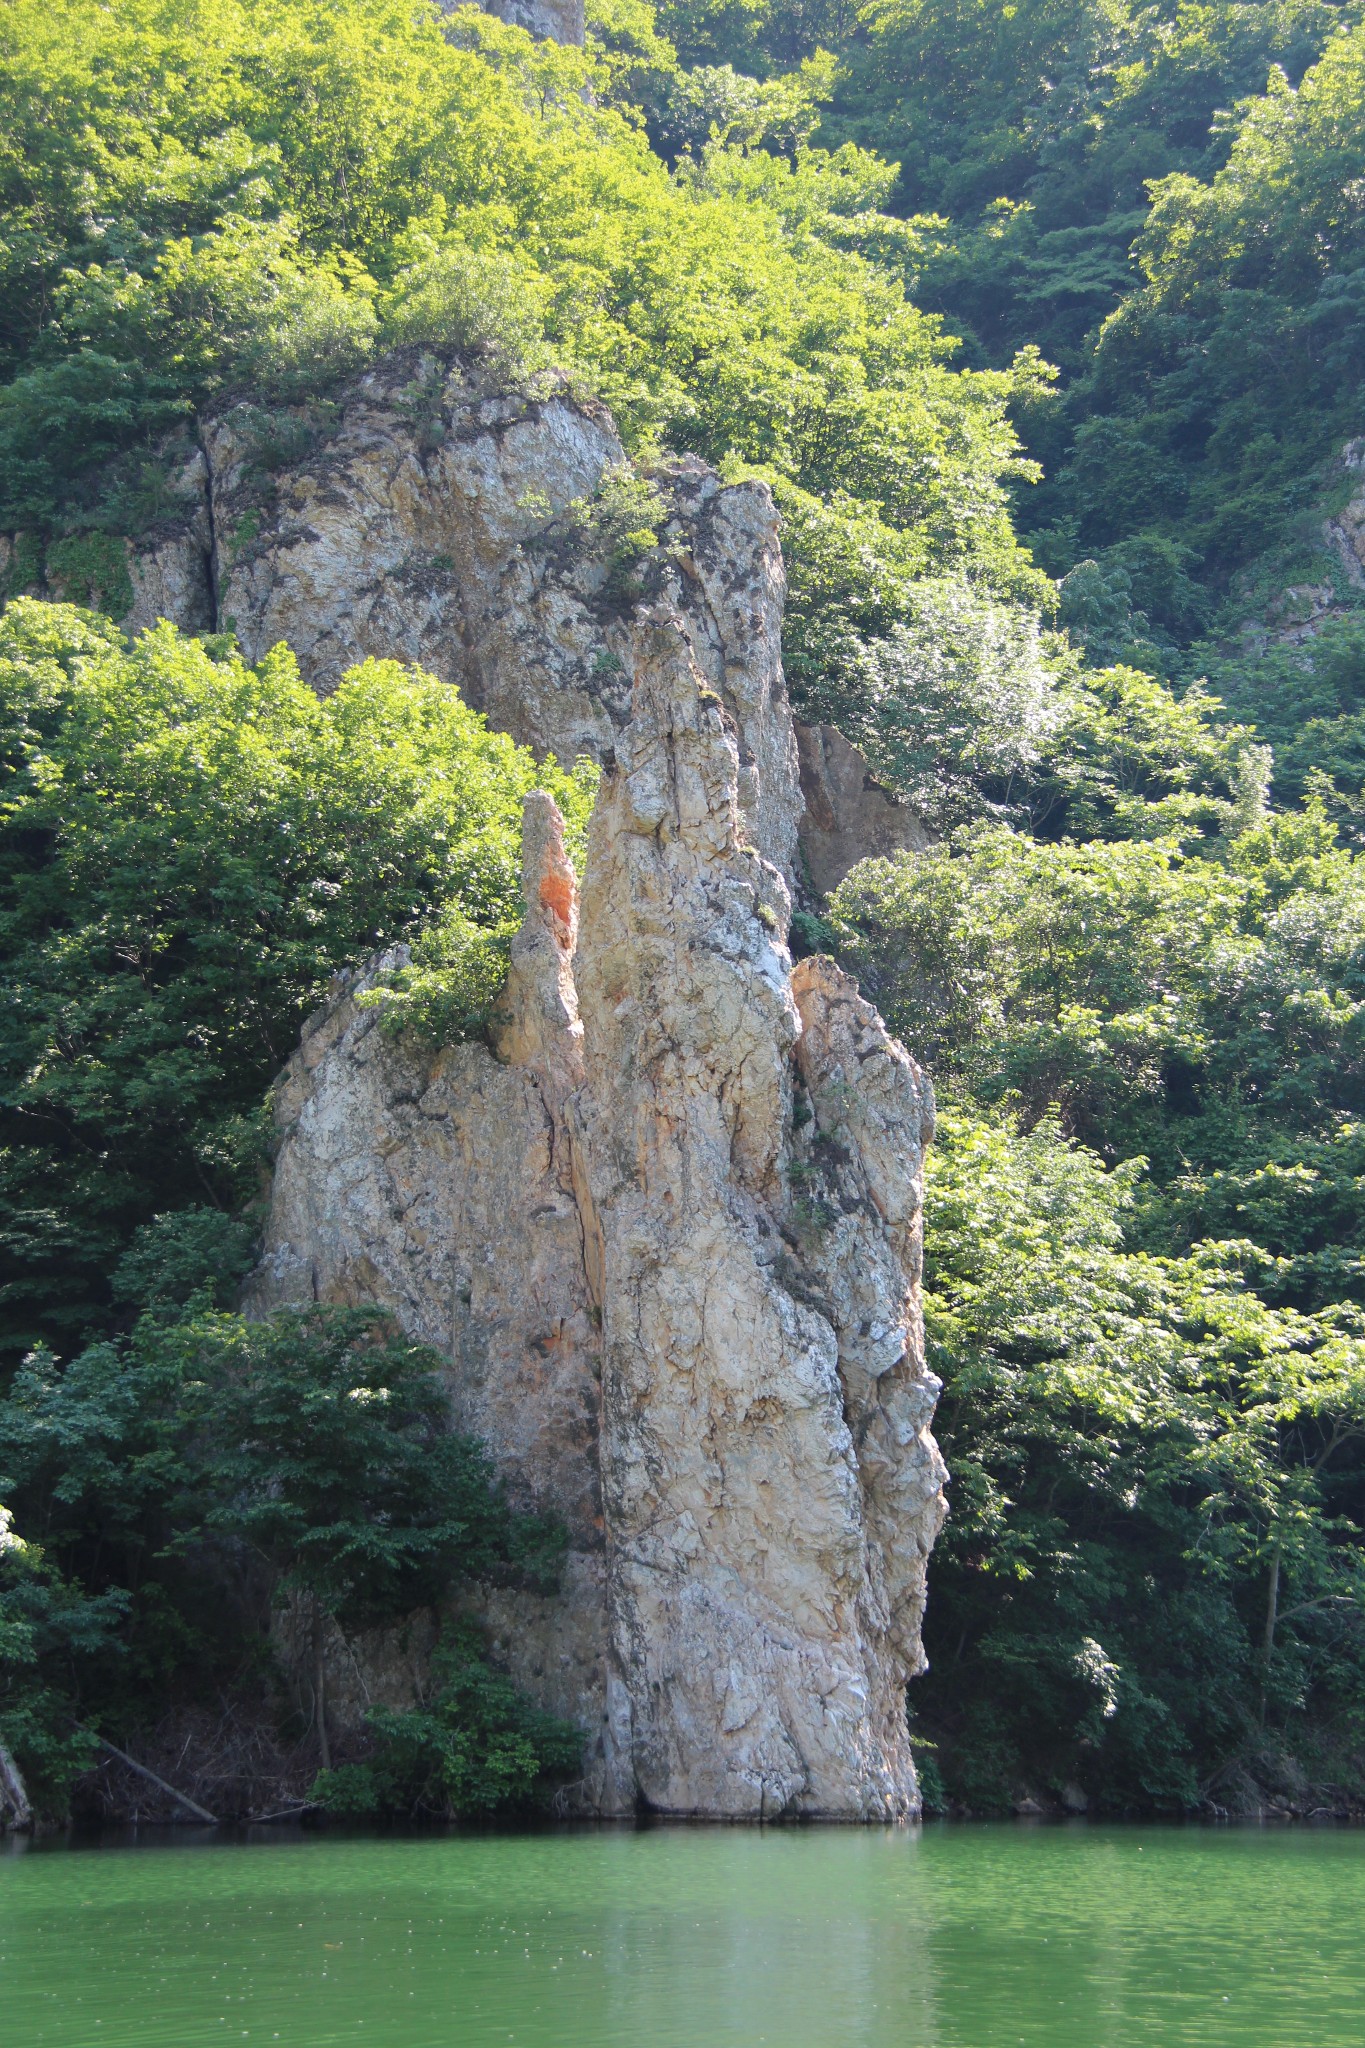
(441, 1186)
(1345, 530)
(761, 1635)
(553, 21)
(392, 535)
(682, 1312)
(665, 1229)
(435, 521)
(849, 816)
(1299, 613)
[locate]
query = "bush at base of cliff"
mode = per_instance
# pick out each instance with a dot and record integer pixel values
(44, 1621)
(186, 1479)
(478, 1747)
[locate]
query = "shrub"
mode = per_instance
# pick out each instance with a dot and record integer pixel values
(476, 1747)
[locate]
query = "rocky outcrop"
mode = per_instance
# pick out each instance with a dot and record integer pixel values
(171, 569)
(553, 21)
(761, 1636)
(665, 1227)
(1298, 613)
(849, 816)
(668, 1240)
(1345, 529)
(430, 519)
(427, 517)
(392, 534)
(442, 1187)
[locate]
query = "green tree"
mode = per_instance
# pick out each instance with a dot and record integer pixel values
(1151, 1576)
(306, 1458)
(189, 849)
(1201, 1013)
(474, 1747)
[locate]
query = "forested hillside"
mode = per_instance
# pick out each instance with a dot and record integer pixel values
(1045, 324)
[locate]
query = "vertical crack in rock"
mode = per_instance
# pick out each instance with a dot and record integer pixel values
(441, 1187)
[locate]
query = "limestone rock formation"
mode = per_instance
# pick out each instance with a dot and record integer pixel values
(441, 522)
(441, 1186)
(761, 1632)
(665, 1228)
(171, 569)
(1345, 530)
(553, 21)
(1298, 614)
(668, 1240)
(849, 815)
(391, 534)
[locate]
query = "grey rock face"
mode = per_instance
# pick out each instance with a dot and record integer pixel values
(446, 525)
(681, 1312)
(849, 816)
(762, 1634)
(552, 21)
(443, 1188)
(171, 570)
(1298, 614)
(391, 538)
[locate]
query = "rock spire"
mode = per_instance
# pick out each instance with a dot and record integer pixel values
(668, 1238)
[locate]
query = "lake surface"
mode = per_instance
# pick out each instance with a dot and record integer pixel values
(968, 1936)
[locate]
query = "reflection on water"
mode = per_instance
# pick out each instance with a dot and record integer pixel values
(949, 1937)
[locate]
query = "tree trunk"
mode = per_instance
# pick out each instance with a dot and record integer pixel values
(181, 1798)
(15, 1810)
(1272, 1615)
(320, 1686)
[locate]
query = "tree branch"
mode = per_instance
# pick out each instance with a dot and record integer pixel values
(181, 1798)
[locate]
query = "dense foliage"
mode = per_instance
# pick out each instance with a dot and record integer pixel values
(1155, 1373)
(475, 1745)
(1166, 202)
(1150, 1587)
(307, 1459)
(189, 849)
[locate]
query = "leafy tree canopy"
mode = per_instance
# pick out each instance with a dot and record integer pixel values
(189, 849)
(211, 193)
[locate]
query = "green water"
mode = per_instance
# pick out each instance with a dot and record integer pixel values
(953, 1937)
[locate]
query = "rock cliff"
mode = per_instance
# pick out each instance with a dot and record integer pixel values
(555, 21)
(1298, 613)
(667, 1236)
(429, 516)
(759, 1367)
(849, 816)
(666, 1228)
(438, 521)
